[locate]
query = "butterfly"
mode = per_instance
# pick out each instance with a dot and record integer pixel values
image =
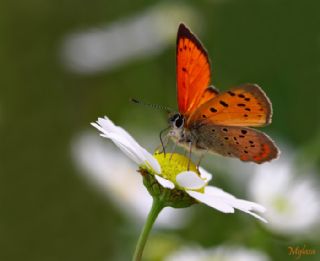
(213, 121)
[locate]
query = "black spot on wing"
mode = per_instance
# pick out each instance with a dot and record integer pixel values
(224, 104)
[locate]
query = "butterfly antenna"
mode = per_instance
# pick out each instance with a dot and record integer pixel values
(154, 106)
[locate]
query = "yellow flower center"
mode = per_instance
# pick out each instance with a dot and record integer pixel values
(172, 164)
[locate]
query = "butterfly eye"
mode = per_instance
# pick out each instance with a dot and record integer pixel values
(179, 122)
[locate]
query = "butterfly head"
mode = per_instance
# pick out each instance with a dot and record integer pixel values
(176, 121)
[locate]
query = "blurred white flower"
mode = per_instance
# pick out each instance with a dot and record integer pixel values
(293, 201)
(225, 253)
(134, 37)
(113, 173)
(172, 175)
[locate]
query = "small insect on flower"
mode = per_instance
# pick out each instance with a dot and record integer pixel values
(210, 121)
(169, 176)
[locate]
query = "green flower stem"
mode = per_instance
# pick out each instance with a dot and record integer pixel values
(157, 205)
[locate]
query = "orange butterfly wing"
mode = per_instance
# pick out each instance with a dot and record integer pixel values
(219, 120)
(244, 143)
(193, 72)
(207, 95)
(246, 105)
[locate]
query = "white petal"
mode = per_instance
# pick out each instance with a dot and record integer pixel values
(243, 205)
(132, 152)
(126, 143)
(211, 201)
(257, 216)
(218, 192)
(205, 175)
(150, 161)
(249, 207)
(164, 182)
(254, 206)
(190, 180)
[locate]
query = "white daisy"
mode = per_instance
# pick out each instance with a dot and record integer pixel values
(172, 174)
(225, 253)
(110, 171)
(292, 200)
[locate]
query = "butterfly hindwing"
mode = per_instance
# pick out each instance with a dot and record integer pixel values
(193, 71)
(244, 143)
(246, 105)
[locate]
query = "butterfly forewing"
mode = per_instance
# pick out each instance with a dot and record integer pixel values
(246, 105)
(193, 71)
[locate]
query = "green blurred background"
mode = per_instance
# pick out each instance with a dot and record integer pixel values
(48, 212)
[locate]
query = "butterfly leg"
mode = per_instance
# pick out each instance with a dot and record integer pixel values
(190, 148)
(161, 148)
(164, 144)
(200, 159)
